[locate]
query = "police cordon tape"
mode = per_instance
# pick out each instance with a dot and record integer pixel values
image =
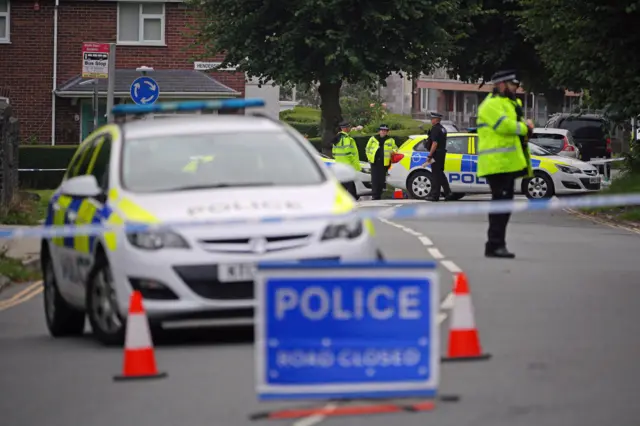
(426, 211)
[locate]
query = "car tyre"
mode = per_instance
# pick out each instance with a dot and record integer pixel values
(419, 185)
(539, 187)
(62, 319)
(102, 307)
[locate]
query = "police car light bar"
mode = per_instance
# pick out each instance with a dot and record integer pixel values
(167, 107)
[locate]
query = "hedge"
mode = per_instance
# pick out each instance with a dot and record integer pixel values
(44, 157)
(311, 130)
(361, 140)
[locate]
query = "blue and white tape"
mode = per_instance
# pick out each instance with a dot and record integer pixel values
(413, 211)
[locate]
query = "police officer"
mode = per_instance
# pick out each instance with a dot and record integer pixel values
(379, 149)
(502, 155)
(436, 145)
(345, 151)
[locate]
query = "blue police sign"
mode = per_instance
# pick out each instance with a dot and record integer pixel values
(144, 90)
(331, 330)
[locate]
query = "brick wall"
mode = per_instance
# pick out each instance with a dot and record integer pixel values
(26, 63)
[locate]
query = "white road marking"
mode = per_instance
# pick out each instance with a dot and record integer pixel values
(452, 267)
(435, 253)
(412, 232)
(425, 241)
(316, 418)
(447, 303)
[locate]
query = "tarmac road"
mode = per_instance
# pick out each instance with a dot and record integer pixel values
(561, 322)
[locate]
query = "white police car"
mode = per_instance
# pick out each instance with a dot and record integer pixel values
(553, 175)
(363, 177)
(180, 170)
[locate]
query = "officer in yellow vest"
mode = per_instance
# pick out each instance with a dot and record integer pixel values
(502, 156)
(379, 150)
(345, 151)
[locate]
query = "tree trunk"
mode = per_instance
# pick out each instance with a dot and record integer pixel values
(330, 112)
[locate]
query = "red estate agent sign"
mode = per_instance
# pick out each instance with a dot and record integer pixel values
(95, 60)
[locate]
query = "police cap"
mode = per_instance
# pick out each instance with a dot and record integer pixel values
(433, 114)
(505, 76)
(383, 127)
(344, 124)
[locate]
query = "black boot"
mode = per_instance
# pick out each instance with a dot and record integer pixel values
(501, 253)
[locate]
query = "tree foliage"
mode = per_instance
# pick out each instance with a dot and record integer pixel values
(492, 40)
(589, 44)
(327, 41)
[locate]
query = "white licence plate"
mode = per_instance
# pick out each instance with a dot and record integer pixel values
(234, 272)
(594, 179)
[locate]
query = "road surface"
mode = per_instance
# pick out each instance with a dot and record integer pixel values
(561, 322)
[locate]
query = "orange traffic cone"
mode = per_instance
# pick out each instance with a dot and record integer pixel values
(139, 357)
(398, 194)
(464, 341)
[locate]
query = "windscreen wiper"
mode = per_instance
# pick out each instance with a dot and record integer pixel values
(221, 185)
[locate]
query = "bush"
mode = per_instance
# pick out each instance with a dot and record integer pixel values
(311, 130)
(301, 115)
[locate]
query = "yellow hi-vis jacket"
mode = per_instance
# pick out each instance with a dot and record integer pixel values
(499, 131)
(373, 145)
(346, 151)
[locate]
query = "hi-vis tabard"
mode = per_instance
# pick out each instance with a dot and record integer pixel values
(373, 145)
(499, 146)
(346, 151)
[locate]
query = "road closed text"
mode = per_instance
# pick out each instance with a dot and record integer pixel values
(359, 303)
(348, 358)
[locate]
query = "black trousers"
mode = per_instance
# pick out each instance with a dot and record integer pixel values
(351, 187)
(501, 189)
(378, 180)
(439, 179)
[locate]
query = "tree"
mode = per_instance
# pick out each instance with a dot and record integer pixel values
(493, 40)
(589, 44)
(326, 41)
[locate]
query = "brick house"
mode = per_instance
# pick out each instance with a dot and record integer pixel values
(33, 58)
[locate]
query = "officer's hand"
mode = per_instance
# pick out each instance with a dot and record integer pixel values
(530, 124)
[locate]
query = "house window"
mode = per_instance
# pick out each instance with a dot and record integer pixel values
(4, 21)
(140, 23)
(428, 99)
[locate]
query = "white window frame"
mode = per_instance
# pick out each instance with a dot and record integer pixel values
(7, 15)
(141, 18)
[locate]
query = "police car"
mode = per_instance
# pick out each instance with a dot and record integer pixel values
(179, 170)
(363, 177)
(553, 175)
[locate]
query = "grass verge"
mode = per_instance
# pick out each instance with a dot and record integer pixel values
(28, 208)
(16, 271)
(628, 183)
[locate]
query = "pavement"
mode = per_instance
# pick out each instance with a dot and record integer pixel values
(560, 320)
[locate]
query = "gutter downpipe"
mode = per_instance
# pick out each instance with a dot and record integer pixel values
(55, 73)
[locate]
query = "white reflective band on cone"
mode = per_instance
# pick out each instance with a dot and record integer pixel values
(138, 335)
(462, 318)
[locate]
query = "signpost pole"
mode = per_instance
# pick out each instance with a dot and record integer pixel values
(111, 83)
(96, 102)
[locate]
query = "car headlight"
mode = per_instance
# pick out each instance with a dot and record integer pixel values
(568, 169)
(155, 240)
(350, 229)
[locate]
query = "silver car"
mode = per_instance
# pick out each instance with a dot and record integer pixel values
(557, 141)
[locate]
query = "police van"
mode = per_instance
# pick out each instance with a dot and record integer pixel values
(553, 175)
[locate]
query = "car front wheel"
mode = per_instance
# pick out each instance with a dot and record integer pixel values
(419, 184)
(102, 306)
(539, 187)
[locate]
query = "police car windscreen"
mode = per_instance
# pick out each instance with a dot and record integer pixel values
(552, 142)
(537, 150)
(176, 162)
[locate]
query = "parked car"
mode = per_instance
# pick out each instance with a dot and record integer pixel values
(363, 181)
(557, 141)
(590, 133)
